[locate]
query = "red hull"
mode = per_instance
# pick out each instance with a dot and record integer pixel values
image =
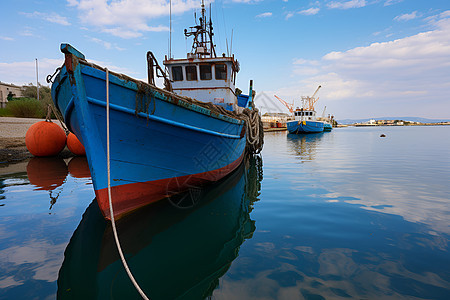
(129, 197)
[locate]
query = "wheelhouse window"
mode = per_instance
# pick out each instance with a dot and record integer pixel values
(177, 73)
(205, 72)
(221, 71)
(191, 72)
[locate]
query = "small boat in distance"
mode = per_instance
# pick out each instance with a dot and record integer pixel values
(327, 126)
(165, 141)
(305, 119)
(327, 121)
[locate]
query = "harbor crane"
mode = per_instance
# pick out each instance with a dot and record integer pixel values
(308, 102)
(288, 105)
(318, 88)
(323, 114)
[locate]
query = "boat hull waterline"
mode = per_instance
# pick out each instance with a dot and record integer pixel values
(160, 144)
(304, 126)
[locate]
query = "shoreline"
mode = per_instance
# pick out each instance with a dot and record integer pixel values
(12, 141)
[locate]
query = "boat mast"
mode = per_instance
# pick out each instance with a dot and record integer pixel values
(203, 36)
(170, 30)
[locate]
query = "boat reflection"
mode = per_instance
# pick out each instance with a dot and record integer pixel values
(305, 145)
(172, 252)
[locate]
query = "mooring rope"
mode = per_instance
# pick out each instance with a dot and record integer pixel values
(111, 211)
(48, 118)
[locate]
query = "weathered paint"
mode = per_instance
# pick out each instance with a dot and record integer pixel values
(145, 148)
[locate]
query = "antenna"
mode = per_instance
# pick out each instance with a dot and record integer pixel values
(170, 30)
(228, 52)
(231, 46)
(203, 44)
(211, 29)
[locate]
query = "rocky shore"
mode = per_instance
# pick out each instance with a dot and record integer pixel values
(12, 140)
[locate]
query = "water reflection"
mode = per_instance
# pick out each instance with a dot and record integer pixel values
(32, 241)
(78, 167)
(305, 145)
(173, 253)
(316, 237)
(361, 258)
(47, 173)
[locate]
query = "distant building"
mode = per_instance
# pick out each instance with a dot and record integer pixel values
(274, 117)
(274, 120)
(8, 89)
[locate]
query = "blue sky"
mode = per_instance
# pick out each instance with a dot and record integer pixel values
(373, 58)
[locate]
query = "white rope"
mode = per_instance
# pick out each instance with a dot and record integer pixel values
(113, 223)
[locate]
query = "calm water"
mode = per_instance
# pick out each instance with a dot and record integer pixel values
(344, 214)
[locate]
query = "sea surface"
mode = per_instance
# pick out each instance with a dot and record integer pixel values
(345, 214)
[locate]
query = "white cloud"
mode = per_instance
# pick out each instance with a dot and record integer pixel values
(306, 12)
(264, 15)
(407, 76)
(347, 4)
(247, 1)
(105, 44)
(24, 72)
(49, 17)
(289, 15)
(126, 34)
(406, 17)
(6, 38)
(440, 20)
(310, 11)
(128, 18)
(301, 61)
(27, 32)
(392, 2)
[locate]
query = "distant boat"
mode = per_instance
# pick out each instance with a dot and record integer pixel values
(305, 119)
(163, 141)
(327, 126)
(327, 121)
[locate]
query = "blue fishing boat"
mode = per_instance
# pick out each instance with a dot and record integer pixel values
(305, 119)
(327, 126)
(161, 141)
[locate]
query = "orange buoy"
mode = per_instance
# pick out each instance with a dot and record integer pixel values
(74, 145)
(78, 167)
(45, 139)
(47, 173)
